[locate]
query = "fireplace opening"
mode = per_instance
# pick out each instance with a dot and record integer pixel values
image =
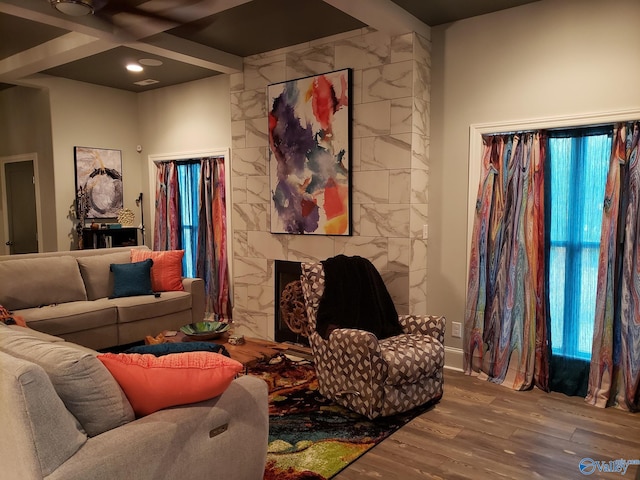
(285, 272)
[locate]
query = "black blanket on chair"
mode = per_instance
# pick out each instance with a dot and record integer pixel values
(355, 297)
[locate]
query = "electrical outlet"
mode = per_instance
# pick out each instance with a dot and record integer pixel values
(425, 232)
(456, 329)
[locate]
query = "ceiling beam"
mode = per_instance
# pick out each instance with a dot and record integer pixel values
(383, 15)
(186, 51)
(67, 48)
(92, 35)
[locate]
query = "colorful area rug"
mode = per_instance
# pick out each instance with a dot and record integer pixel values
(310, 437)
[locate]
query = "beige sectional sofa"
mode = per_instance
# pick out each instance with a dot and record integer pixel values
(65, 418)
(66, 294)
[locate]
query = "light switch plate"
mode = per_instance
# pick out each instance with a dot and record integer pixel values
(456, 329)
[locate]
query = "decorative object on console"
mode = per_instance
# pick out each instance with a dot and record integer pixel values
(139, 204)
(126, 217)
(81, 209)
(99, 174)
(309, 154)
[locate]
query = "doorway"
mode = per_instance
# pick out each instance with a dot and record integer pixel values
(21, 232)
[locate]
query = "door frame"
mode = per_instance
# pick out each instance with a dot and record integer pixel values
(25, 157)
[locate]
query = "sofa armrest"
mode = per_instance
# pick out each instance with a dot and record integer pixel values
(225, 437)
(195, 286)
(432, 325)
(343, 342)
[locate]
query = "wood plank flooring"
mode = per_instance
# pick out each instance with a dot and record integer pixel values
(481, 430)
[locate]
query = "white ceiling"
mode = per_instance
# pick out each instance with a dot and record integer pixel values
(194, 38)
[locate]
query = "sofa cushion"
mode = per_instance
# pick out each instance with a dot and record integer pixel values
(166, 272)
(38, 433)
(133, 309)
(32, 282)
(71, 317)
(31, 332)
(132, 279)
(97, 276)
(153, 383)
(85, 386)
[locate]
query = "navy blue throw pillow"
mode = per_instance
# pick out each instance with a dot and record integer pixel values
(167, 348)
(131, 279)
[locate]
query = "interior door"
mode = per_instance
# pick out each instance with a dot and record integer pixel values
(21, 207)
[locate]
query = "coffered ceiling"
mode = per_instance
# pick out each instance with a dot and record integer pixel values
(193, 39)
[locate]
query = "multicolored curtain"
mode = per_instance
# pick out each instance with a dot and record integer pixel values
(212, 261)
(166, 235)
(614, 377)
(506, 334)
(203, 208)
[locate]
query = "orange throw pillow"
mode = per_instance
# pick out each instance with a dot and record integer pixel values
(166, 272)
(152, 383)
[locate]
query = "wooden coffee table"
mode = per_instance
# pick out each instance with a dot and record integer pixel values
(253, 350)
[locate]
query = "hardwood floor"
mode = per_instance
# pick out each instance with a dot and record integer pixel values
(481, 430)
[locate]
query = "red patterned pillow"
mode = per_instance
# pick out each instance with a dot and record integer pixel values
(152, 383)
(166, 272)
(9, 318)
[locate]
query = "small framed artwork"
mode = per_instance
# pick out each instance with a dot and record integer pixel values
(310, 154)
(99, 179)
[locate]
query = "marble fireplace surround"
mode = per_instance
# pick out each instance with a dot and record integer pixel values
(389, 164)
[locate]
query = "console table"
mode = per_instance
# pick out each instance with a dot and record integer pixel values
(109, 237)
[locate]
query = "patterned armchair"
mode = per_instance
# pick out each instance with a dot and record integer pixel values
(370, 376)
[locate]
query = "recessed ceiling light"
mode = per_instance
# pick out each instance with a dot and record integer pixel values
(148, 81)
(150, 62)
(134, 67)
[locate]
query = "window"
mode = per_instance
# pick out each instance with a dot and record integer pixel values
(578, 165)
(188, 201)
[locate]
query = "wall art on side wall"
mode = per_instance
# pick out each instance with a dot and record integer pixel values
(99, 174)
(309, 154)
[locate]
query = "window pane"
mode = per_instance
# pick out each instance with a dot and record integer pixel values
(599, 149)
(578, 170)
(188, 179)
(557, 259)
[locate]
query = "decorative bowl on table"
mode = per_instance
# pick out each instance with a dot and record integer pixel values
(205, 330)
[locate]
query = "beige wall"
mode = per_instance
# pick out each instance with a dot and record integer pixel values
(192, 117)
(546, 59)
(25, 128)
(89, 116)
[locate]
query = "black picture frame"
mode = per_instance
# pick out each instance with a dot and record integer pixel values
(98, 173)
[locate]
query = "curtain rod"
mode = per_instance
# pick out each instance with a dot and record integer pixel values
(557, 129)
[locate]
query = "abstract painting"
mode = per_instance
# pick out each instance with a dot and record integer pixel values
(309, 154)
(99, 179)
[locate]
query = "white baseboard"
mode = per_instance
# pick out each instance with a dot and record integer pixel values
(453, 358)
